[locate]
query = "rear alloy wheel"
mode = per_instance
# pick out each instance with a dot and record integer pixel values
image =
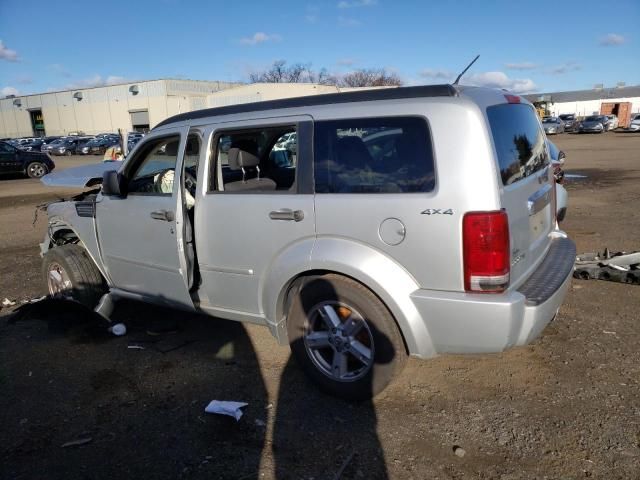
(37, 170)
(344, 337)
(69, 272)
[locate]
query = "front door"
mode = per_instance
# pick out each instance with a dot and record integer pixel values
(141, 235)
(256, 209)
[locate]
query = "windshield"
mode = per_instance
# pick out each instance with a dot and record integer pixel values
(592, 118)
(549, 120)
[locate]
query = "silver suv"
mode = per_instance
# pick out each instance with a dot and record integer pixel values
(411, 221)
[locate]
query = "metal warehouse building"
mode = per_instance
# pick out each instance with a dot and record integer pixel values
(130, 106)
(621, 101)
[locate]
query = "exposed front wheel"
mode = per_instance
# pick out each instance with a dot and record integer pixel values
(344, 337)
(68, 271)
(36, 170)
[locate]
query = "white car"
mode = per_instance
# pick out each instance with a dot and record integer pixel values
(612, 122)
(635, 123)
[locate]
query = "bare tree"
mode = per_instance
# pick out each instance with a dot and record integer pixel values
(279, 72)
(370, 77)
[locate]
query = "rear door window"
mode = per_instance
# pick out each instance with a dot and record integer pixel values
(373, 155)
(519, 141)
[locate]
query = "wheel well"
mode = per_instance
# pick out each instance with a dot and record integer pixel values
(63, 236)
(298, 282)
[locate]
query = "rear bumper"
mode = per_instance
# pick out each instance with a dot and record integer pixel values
(483, 323)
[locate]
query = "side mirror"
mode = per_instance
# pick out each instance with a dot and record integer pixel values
(111, 184)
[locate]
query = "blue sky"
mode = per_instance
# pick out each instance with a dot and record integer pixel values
(524, 46)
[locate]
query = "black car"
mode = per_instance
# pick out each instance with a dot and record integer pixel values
(570, 122)
(98, 146)
(32, 164)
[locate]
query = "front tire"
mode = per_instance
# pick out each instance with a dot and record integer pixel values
(68, 271)
(344, 337)
(36, 170)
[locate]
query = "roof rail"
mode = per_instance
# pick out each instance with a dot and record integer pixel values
(320, 99)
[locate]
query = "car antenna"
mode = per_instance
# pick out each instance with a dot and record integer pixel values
(465, 70)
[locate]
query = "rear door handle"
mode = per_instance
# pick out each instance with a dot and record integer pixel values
(286, 214)
(164, 215)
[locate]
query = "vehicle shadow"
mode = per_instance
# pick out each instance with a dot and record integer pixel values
(137, 400)
(321, 436)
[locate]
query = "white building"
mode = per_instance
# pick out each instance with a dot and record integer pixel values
(621, 101)
(133, 106)
(130, 106)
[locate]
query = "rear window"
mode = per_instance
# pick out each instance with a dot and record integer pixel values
(373, 155)
(519, 141)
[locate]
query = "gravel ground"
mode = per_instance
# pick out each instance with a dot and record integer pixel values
(566, 406)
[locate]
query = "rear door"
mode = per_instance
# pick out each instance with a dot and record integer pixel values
(528, 190)
(250, 216)
(9, 161)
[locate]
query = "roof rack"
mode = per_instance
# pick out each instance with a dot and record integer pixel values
(321, 99)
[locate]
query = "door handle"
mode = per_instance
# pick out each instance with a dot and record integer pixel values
(165, 215)
(286, 214)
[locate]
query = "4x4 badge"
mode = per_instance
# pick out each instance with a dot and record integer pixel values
(437, 211)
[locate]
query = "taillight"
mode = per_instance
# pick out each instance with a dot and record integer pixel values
(485, 240)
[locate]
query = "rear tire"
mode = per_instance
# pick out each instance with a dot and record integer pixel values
(344, 337)
(36, 170)
(68, 271)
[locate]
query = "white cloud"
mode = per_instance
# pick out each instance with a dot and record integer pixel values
(8, 54)
(346, 62)
(357, 3)
(612, 40)
(260, 37)
(564, 68)
(95, 81)
(9, 91)
(499, 80)
(348, 22)
(521, 66)
(435, 74)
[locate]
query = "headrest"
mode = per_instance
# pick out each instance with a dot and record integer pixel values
(172, 148)
(242, 154)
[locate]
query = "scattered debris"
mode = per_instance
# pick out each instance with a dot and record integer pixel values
(135, 347)
(260, 423)
(344, 465)
(8, 303)
(76, 443)
(118, 329)
(608, 332)
(459, 451)
(615, 267)
(221, 407)
(34, 300)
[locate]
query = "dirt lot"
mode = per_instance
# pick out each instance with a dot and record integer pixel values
(567, 406)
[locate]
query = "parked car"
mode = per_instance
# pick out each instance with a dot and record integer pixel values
(31, 164)
(47, 147)
(69, 146)
(133, 141)
(552, 125)
(612, 122)
(634, 126)
(32, 146)
(98, 145)
(364, 251)
(570, 121)
(593, 124)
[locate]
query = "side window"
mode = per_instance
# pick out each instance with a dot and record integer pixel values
(256, 160)
(519, 141)
(155, 167)
(373, 155)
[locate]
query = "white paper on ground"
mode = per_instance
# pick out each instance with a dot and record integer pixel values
(226, 408)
